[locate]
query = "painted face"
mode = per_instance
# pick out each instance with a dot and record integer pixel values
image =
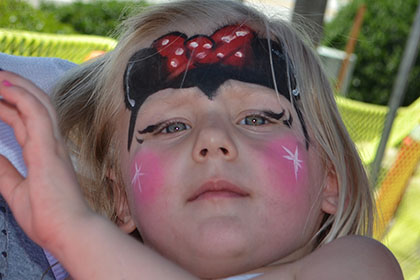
(232, 52)
(220, 181)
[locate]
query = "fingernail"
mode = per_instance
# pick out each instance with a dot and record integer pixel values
(6, 83)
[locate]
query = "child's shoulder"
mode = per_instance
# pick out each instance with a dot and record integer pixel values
(349, 257)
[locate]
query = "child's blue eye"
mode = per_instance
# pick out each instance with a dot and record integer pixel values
(174, 127)
(254, 120)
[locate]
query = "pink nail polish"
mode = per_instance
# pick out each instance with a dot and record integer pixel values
(6, 83)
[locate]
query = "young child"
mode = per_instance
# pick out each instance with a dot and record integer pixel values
(210, 131)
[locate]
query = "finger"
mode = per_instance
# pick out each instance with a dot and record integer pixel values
(9, 179)
(17, 80)
(9, 114)
(34, 114)
(33, 127)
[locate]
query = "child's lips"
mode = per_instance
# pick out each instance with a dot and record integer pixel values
(218, 189)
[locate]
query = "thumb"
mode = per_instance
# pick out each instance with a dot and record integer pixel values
(9, 178)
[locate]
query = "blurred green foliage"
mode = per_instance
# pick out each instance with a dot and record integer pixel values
(379, 48)
(18, 14)
(98, 17)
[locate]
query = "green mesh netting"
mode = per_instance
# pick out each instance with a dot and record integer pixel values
(71, 47)
(365, 123)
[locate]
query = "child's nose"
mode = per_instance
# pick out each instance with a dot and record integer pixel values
(214, 142)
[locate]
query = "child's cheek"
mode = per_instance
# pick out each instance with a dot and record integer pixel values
(146, 176)
(286, 160)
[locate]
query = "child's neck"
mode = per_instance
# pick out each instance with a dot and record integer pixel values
(285, 265)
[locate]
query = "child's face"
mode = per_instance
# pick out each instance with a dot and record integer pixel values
(224, 181)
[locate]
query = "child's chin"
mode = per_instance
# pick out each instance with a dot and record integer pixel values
(220, 246)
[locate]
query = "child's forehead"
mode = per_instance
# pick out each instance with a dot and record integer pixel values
(229, 91)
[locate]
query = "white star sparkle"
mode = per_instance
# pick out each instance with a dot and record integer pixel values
(295, 158)
(136, 177)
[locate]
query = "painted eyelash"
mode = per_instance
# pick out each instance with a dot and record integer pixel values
(156, 128)
(151, 128)
(274, 116)
(288, 122)
(268, 117)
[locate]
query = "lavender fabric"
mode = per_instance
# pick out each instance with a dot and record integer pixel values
(20, 258)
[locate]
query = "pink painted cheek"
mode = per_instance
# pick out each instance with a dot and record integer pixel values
(286, 160)
(147, 176)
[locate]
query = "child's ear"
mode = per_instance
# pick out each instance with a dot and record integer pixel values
(330, 193)
(124, 219)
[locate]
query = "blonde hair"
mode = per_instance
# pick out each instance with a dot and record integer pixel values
(91, 97)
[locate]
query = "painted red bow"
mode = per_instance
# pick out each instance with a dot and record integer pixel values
(229, 45)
